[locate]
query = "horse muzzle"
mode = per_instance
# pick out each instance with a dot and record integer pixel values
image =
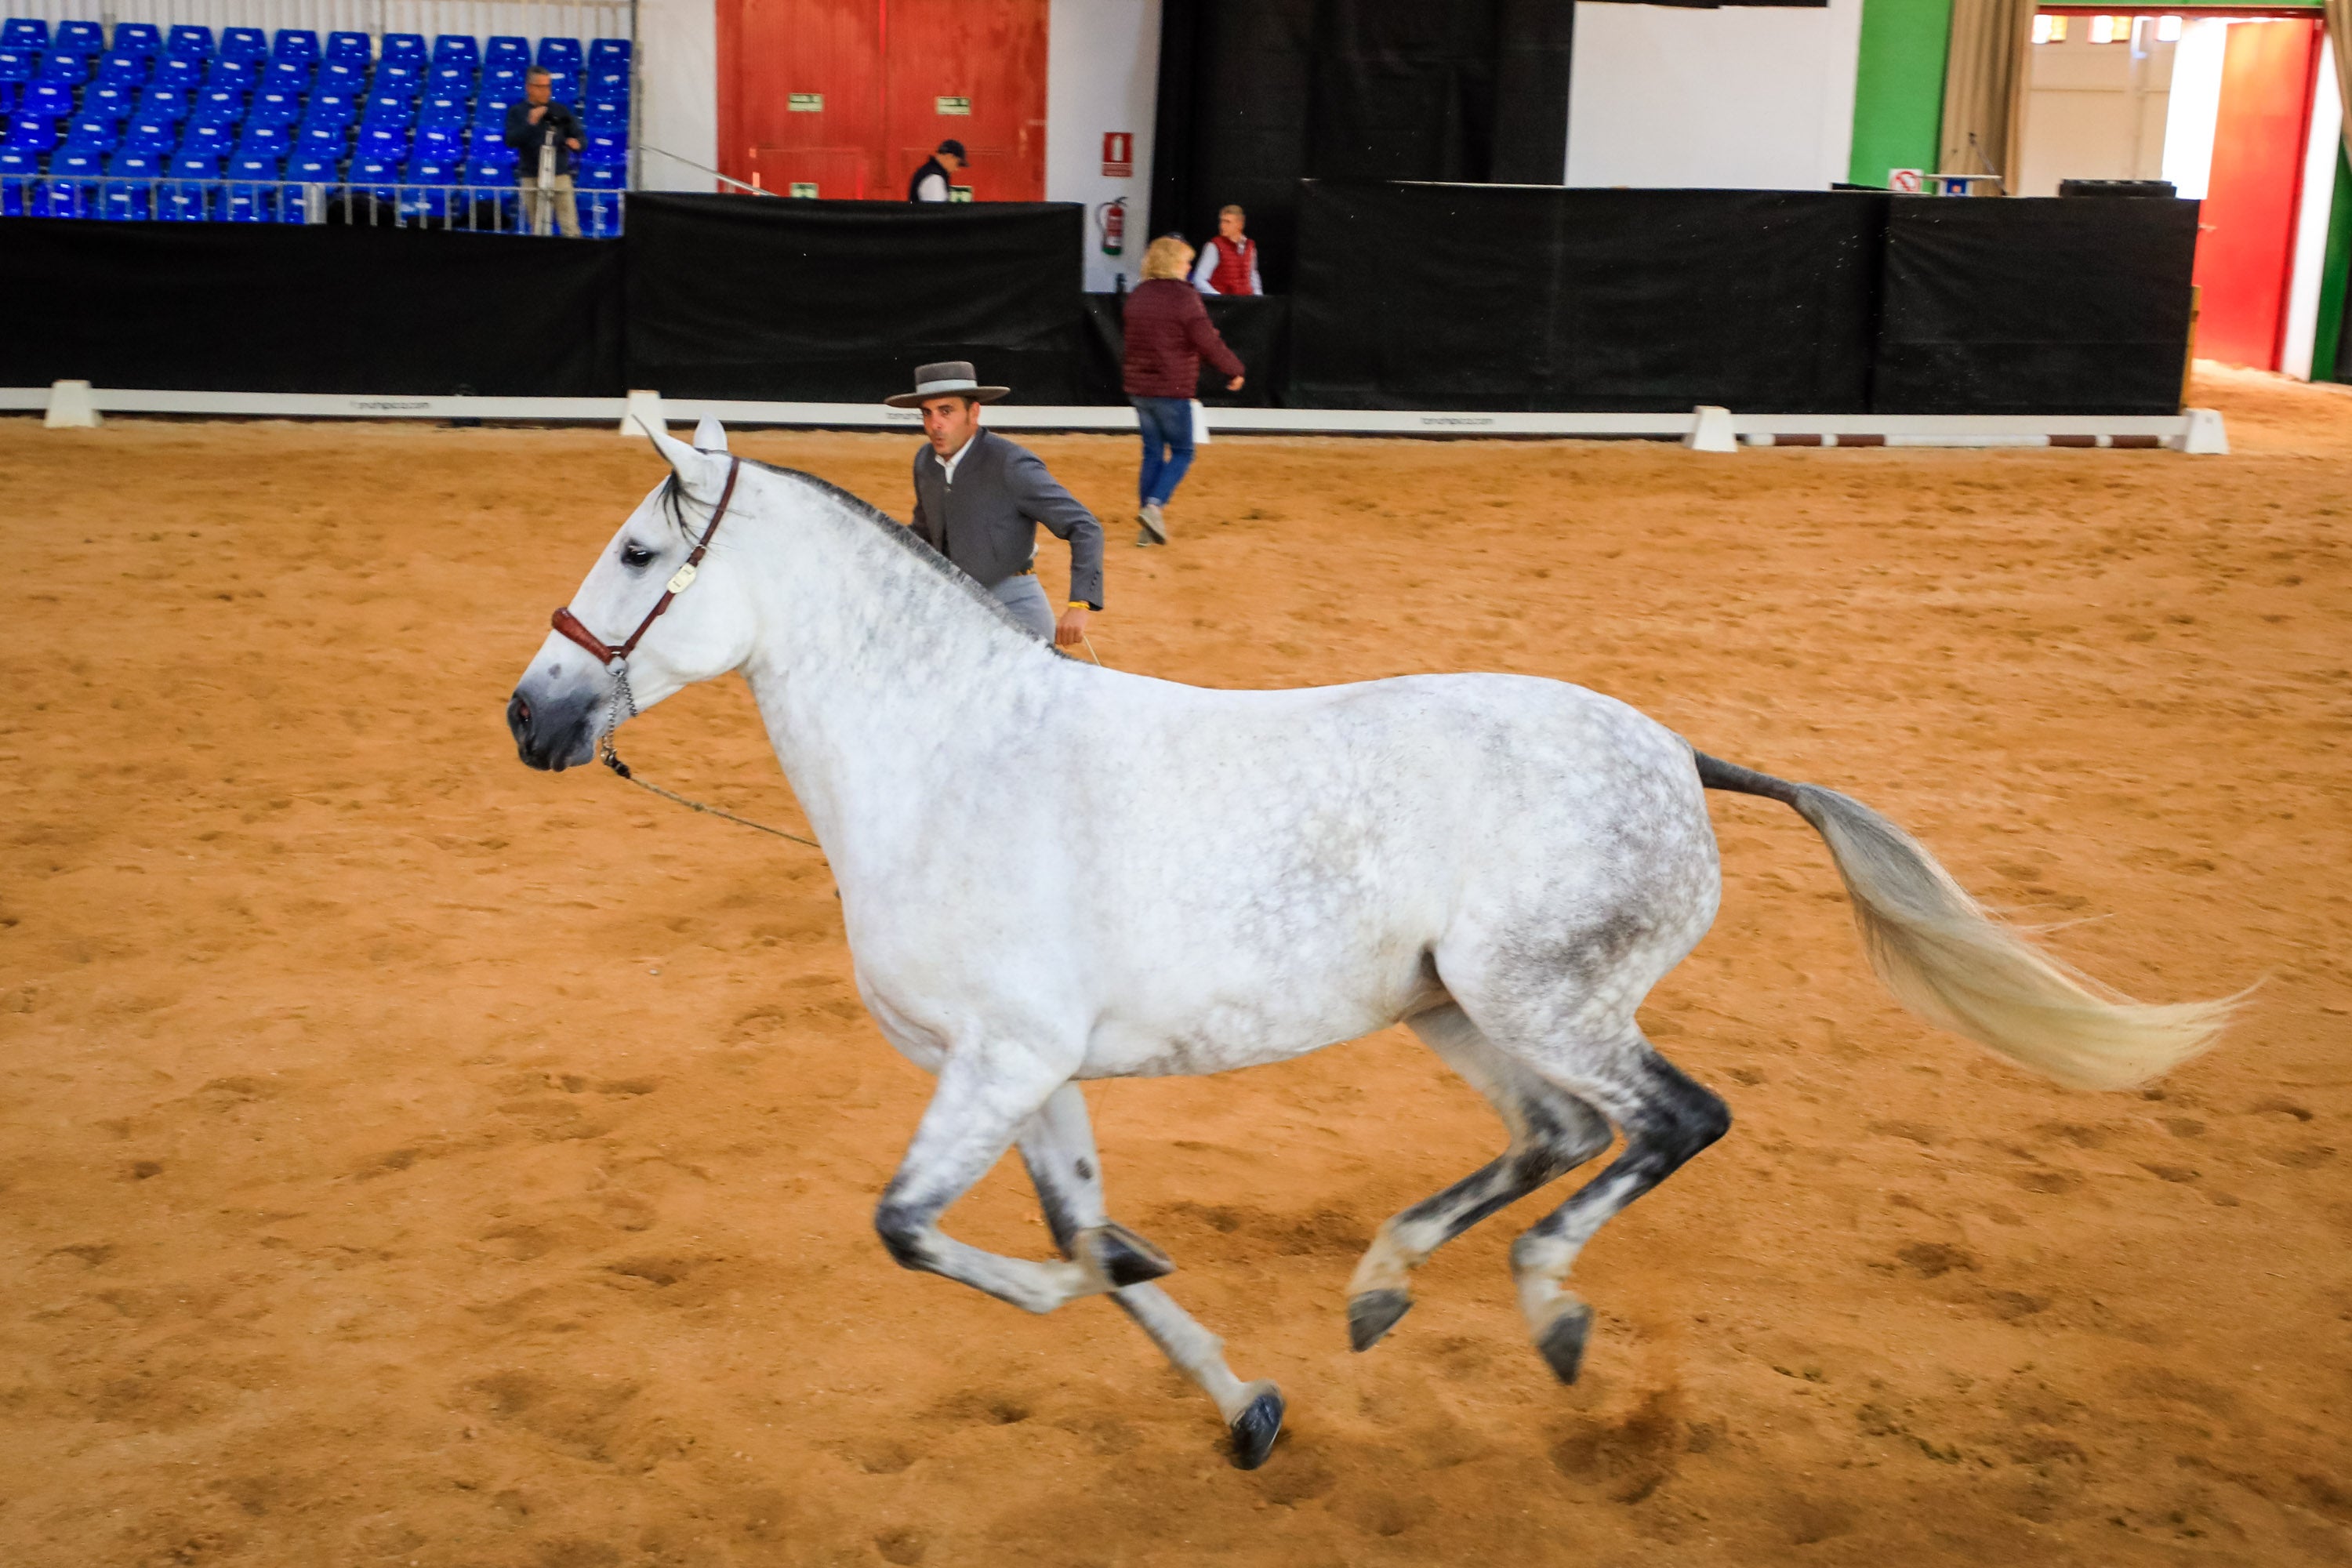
(552, 731)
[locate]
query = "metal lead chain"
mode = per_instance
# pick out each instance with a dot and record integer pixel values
(610, 758)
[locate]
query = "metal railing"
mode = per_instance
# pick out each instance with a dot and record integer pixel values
(532, 19)
(395, 203)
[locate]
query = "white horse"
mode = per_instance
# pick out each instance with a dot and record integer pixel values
(1051, 872)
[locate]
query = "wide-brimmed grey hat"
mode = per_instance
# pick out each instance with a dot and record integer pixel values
(950, 378)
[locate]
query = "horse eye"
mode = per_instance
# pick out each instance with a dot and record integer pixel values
(636, 555)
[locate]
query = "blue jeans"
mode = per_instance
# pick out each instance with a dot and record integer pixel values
(1166, 422)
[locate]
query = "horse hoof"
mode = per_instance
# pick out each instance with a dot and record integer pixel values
(1255, 1428)
(1372, 1314)
(1124, 1258)
(1562, 1340)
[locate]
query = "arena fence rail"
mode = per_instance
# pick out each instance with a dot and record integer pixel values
(2197, 431)
(393, 203)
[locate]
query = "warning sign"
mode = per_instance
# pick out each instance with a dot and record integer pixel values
(1118, 154)
(1904, 180)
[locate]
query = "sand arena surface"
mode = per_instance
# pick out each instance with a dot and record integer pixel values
(409, 1158)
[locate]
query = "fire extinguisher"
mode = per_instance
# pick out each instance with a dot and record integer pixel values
(1112, 218)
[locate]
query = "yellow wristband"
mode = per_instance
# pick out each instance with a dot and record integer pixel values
(1080, 605)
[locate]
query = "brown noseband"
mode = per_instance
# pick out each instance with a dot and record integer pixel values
(608, 653)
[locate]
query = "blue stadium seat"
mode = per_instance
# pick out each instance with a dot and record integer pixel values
(388, 143)
(248, 46)
(292, 76)
(100, 130)
(177, 102)
(324, 139)
(389, 108)
(560, 55)
(187, 43)
(310, 165)
(506, 49)
(180, 199)
(150, 133)
(141, 38)
(242, 75)
(221, 102)
(443, 106)
(25, 33)
(503, 78)
(19, 169)
(74, 170)
(126, 69)
(605, 111)
(610, 51)
(407, 48)
(349, 76)
(454, 78)
(434, 172)
(181, 71)
(400, 76)
(270, 141)
(49, 99)
(376, 179)
(447, 141)
(351, 49)
(57, 66)
(107, 99)
(332, 108)
(252, 194)
(206, 138)
(274, 106)
(85, 38)
(129, 193)
(457, 48)
(563, 87)
(599, 187)
(18, 63)
(608, 79)
(603, 146)
(297, 44)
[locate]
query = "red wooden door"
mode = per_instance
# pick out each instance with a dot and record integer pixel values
(2247, 245)
(850, 96)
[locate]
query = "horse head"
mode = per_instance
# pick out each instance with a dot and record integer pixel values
(632, 633)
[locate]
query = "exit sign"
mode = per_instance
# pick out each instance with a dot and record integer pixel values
(1118, 154)
(804, 103)
(953, 105)
(805, 190)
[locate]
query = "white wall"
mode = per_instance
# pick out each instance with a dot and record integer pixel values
(678, 94)
(1102, 70)
(2311, 219)
(2095, 111)
(1745, 98)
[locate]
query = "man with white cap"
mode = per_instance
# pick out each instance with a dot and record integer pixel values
(979, 499)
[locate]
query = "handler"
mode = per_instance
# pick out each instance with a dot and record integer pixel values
(979, 499)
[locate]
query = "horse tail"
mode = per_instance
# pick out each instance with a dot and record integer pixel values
(1950, 961)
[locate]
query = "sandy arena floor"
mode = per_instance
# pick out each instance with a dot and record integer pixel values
(412, 1158)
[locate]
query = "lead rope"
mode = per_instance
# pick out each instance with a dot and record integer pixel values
(610, 758)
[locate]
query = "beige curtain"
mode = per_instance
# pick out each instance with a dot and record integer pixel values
(1984, 86)
(2339, 32)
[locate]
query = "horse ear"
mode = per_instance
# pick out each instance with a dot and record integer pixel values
(697, 472)
(711, 436)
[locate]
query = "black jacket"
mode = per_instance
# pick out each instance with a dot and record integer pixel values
(931, 166)
(986, 522)
(525, 138)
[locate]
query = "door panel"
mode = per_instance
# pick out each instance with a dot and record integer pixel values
(2248, 244)
(870, 75)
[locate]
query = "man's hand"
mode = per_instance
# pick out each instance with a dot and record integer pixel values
(572, 142)
(1071, 629)
(1234, 385)
(537, 113)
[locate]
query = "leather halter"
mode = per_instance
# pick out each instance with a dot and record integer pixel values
(608, 653)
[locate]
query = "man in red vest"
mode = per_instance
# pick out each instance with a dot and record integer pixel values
(1229, 262)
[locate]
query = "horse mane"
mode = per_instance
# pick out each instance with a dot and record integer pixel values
(673, 502)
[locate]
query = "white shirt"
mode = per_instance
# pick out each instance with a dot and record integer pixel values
(932, 188)
(949, 464)
(1206, 267)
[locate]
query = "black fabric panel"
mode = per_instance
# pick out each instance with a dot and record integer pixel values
(2023, 305)
(1496, 297)
(1255, 327)
(838, 302)
(272, 308)
(1256, 95)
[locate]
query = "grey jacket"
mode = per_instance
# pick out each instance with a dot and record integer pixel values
(986, 522)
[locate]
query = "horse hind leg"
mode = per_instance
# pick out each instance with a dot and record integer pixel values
(1551, 1133)
(1666, 1118)
(1058, 1147)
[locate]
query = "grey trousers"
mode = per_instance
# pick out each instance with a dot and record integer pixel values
(1026, 597)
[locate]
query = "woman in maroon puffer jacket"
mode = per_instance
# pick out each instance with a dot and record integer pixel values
(1168, 331)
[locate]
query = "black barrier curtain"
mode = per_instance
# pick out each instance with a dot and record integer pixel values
(1256, 95)
(741, 297)
(1516, 297)
(296, 309)
(2023, 305)
(1257, 328)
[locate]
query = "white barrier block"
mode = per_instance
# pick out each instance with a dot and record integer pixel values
(645, 405)
(1710, 431)
(2206, 434)
(72, 406)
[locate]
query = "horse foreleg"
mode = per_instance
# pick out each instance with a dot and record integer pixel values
(1058, 1147)
(982, 1100)
(1551, 1133)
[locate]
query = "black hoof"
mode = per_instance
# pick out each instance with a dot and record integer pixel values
(1126, 1258)
(1256, 1430)
(1562, 1343)
(1372, 1314)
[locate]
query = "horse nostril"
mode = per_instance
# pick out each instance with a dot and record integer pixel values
(518, 715)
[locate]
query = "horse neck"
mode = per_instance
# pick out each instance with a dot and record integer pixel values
(873, 669)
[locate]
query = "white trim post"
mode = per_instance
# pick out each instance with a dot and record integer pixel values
(71, 408)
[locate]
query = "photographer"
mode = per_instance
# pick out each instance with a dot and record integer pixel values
(540, 123)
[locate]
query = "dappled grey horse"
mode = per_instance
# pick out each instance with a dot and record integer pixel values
(1051, 872)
